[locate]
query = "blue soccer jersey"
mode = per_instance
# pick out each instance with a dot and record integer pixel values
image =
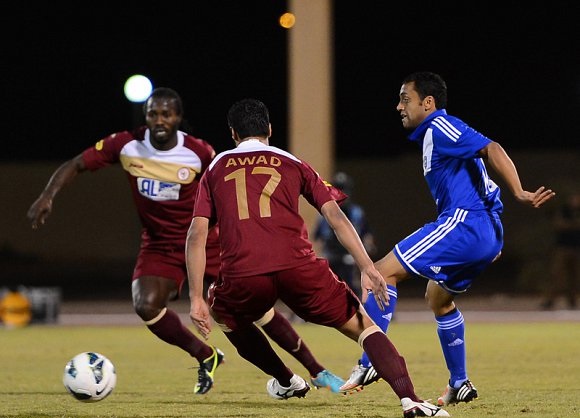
(467, 234)
(456, 176)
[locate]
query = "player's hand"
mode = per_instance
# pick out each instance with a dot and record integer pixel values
(199, 314)
(39, 211)
(536, 199)
(372, 280)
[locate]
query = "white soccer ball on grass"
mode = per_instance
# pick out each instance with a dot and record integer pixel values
(89, 377)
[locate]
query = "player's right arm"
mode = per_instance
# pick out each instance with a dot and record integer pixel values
(195, 262)
(63, 175)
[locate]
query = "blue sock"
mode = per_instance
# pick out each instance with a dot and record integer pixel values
(451, 331)
(381, 318)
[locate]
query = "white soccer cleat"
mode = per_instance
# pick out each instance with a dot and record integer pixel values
(360, 377)
(413, 409)
(466, 393)
(297, 389)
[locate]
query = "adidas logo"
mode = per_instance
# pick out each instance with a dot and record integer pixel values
(455, 342)
(436, 269)
(388, 316)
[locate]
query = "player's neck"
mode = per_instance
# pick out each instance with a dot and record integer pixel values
(263, 140)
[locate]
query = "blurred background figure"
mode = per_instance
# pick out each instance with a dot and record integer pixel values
(565, 267)
(15, 309)
(328, 246)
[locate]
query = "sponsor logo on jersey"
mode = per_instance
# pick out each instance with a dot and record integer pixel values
(158, 190)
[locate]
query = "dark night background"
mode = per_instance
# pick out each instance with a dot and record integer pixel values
(513, 71)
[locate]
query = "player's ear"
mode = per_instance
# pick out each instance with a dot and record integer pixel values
(235, 137)
(429, 103)
(269, 130)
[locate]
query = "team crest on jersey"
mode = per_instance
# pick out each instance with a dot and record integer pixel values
(158, 190)
(183, 173)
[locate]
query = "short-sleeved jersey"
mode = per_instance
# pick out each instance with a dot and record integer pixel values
(163, 183)
(253, 193)
(456, 175)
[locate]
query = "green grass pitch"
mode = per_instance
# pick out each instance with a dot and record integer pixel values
(529, 370)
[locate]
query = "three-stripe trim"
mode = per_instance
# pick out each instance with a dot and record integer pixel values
(447, 128)
(434, 237)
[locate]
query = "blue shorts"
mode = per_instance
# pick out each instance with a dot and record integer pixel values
(454, 249)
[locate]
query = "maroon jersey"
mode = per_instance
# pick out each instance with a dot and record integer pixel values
(253, 192)
(163, 183)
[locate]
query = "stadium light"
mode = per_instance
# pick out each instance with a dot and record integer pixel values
(138, 88)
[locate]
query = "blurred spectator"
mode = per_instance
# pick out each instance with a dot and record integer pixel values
(341, 262)
(565, 268)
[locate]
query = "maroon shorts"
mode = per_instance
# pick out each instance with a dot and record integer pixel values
(312, 291)
(162, 262)
(169, 263)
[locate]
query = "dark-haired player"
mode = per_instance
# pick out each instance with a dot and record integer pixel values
(163, 166)
(253, 193)
(467, 235)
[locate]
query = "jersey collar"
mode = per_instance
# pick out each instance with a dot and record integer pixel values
(420, 130)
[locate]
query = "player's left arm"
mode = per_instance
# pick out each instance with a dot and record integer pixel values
(503, 165)
(195, 262)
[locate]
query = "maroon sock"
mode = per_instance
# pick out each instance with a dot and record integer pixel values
(170, 329)
(253, 346)
(389, 365)
(281, 332)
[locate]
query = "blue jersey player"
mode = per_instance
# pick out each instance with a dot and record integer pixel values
(467, 235)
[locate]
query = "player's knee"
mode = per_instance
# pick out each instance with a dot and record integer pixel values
(359, 324)
(147, 311)
(366, 332)
(266, 318)
(437, 304)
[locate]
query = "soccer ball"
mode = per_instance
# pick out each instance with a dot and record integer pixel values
(89, 377)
